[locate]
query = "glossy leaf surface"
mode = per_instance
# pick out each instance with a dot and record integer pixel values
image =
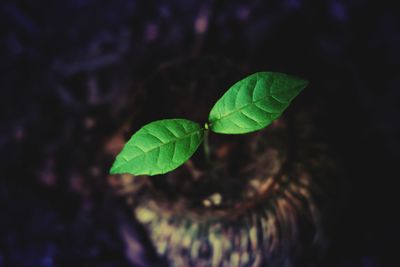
(254, 102)
(159, 147)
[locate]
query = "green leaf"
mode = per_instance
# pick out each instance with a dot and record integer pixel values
(159, 147)
(254, 102)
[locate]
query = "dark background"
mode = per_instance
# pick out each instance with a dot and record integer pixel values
(68, 67)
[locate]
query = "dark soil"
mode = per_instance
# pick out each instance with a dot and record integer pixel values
(280, 171)
(178, 91)
(69, 98)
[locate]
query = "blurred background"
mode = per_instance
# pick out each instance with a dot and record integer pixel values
(69, 69)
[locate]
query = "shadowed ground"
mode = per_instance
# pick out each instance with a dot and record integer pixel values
(69, 75)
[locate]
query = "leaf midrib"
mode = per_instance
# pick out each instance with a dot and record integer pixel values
(163, 144)
(243, 107)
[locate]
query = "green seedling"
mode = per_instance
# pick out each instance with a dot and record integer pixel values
(249, 105)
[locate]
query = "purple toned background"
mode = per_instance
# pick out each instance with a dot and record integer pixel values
(67, 68)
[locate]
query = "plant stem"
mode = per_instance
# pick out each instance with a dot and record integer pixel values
(206, 146)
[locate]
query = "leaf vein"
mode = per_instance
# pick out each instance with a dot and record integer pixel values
(250, 118)
(238, 109)
(190, 134)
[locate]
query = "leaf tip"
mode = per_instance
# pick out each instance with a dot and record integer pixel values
(298, 83)
(113, 171)
(303, 83)
(115, 168)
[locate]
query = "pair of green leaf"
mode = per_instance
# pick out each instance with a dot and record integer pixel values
(249, 105)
